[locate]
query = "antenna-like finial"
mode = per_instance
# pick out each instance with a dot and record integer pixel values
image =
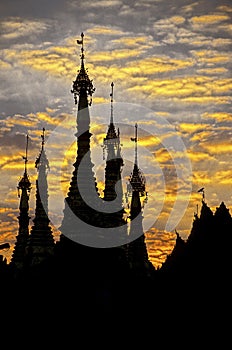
(43, 137)
(25, 157)
(111, 101)
(42, 159)
(81, 42)
(135, 139)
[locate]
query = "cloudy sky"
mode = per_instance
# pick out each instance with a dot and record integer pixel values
(171, 65)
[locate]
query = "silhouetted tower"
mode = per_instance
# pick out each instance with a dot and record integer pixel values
(79, 215)
(24, 188)
(137, 250)
(113, 181)
(41, 242)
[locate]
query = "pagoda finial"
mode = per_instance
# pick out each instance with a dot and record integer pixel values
(81, 42)
(25, 157)
(42, 159)
(24, 183)
(135, 139)
(43, 138)
(111, 101)
(82, 82)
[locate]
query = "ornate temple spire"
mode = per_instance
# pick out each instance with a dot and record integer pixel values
(113, 182)
(137, 180)
(77, 207)
(111, 133)
(24, 188)
(41, 242)
(137, 250)
(114, 161)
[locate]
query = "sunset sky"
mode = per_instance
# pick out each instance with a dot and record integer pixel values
(171, 64)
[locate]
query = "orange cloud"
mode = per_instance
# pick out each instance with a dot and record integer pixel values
(218, 148)
(218, 116)
(224, 177)
(199, 156)
(192, 127)
(202, 136)
(201, 177)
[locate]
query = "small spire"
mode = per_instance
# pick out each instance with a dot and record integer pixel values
(42, 159)
(111, 133)
(137, 180)
(25, 182)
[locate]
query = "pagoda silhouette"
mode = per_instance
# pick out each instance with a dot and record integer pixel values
(87, 265)
(96, 249)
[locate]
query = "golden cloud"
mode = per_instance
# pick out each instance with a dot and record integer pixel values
(189, 89)
(202, 136)
(218, 70)
(206, 99)
(223, 177)
(218, 116)
(218, 148)
(201, 177)
(15, 27)
(209, 19)
(114, 55)
(192, 127)
(4, 65)
(99, 30)
(135, 41)
(199, 156)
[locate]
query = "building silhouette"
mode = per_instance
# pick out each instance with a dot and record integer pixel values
(24, 188)
(89, 267)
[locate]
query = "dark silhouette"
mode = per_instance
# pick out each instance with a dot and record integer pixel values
(112, 281)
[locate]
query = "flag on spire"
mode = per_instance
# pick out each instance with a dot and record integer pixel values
(201, 189)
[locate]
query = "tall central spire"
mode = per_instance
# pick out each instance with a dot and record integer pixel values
(77, 206)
